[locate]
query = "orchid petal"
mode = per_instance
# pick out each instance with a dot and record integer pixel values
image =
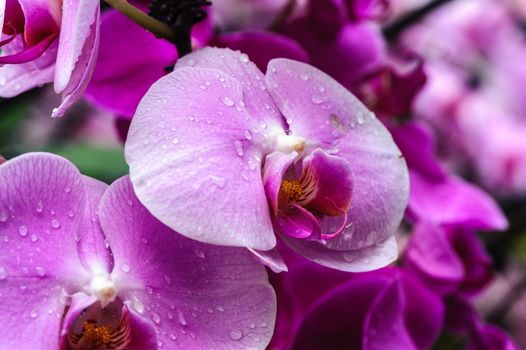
(30, 53)
(39, 258)
(78, 21)
(270, 258)
(453, 202)
(18, 78)
(123, 73)
(185, 154)
(298, 222)
(334, 183)
(384, 326)
(42, 19)
(430, 254)
(80, 75)
(257, 101)
(276, 164)
(328, 116)
(198, 296)
(359, 260)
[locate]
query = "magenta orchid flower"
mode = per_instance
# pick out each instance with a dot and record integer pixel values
(85, 266)
(226, 155)
(48, 41)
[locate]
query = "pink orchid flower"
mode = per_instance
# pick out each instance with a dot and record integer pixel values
(85, 266)
(226, 155)
(47, 41)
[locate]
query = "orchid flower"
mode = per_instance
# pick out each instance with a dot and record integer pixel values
(85, 266)
(48, 41)
(226, 155)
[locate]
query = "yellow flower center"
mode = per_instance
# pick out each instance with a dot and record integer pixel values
(292, 190)
(97, 335)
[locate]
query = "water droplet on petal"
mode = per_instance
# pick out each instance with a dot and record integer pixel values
(199, 253)
(304, 77)
(173, 336)
(175, 141)
(34, 238)
(239, 148)
(181, 318)
(40, 207)
(236, 334)
(22, 230)
(247, 134)
(244, 58)
(40, 271)
(3, 273)
(156, 318)
(227, 101)
(125, 268)
(33, 313)
(220, 308)
(318, 99)
(218, 181)
(3, 217)
(55, 223)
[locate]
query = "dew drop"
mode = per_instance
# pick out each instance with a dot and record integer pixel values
(34, 314)
(218, 181)
(181, 318)
(199, 253)
(220, 308)
(359, 118)
(138, 305)
(239, 148)
(40, 271)
(22, 230)
(243, 58)
(167, 279)
(227, 101)
(247, 134)
(3, 273)
(348, 256)
(156, 318)
(55, 223)
(175, 141)
(304, 77)
(71, 214)
(67, 189)
(173, 336)
(40, 207)
(236, 334)
(317, 99)
(34, 238)
(125, 268)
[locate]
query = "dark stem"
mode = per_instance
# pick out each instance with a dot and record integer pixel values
(180, 16)
(393, 30)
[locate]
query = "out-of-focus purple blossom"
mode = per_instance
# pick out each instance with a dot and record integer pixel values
(86, 265)
(342, 40)
(48, 41)
(474, 96)
(373, 310)
(232, 15)
(216, 143)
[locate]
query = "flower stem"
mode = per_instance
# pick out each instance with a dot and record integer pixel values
(158, 28)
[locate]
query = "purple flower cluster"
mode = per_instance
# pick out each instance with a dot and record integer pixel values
(312, 176)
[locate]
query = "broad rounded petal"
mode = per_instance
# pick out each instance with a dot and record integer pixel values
(331, 118)
(336, 321)
(270, 258)
(251, 42)
(42, 19)
(257, 101)
(431, 255)
(39, 254)
(276, 164)
(334, 183)
(384, 326)
(298, 223)
(81, 72)
(18, 78)
(453, 202)
(79, 20)
(197, 159)
(38, 193)
(198, 296)
(123, 73)
(359, 260)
